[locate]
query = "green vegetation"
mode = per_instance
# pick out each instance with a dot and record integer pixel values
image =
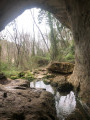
(46, 81)
(14, 77)
(14, 73)
(9, 70)
(26, 75)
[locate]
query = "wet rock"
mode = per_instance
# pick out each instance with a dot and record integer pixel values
(59, 79)
(61, 83)
(76, 115)
(46, 81)
(61, 67)
(66, 87)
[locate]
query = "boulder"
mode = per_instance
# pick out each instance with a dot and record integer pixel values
(61, 67)
(58, 80)
(18, 83)
(28, 104)
(62, 85)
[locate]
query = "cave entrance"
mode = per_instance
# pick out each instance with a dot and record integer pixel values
(73, 14)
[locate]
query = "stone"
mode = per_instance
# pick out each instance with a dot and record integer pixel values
(61, 67)
(77, 115)
(46, 81)
(27, 104)
(23, 103)
(58, 80)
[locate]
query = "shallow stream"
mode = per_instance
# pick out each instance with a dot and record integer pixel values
(65, 105)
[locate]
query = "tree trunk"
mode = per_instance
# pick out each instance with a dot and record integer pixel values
(54, 51)
(0, 56)
(79, 13)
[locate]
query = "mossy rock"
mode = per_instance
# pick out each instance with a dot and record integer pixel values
(26, 75)
(46, 81)
(49, 76)
(21, 74)
(14, 77)
(61, 67)
(29, 76)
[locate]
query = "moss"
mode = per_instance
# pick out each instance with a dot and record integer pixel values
(14, 77)
(10, 73)
(28, 75)
(46, 81)
(49, 76)
(21, 74)
(25, 75)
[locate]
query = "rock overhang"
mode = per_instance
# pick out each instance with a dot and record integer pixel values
(9, 9)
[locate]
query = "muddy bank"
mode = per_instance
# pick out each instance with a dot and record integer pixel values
(22, 103)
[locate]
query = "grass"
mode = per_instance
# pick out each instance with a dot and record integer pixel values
(10, 73)
(13, 74)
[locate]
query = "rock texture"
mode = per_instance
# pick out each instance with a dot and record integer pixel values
(9, 10)
(61, 67)
(58, 80)
(25, 103)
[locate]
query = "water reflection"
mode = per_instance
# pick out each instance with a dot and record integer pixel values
(64, 104)
(40, 84)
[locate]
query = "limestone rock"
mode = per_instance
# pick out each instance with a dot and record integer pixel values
(61, 67)
(26, 104)
(58, 80)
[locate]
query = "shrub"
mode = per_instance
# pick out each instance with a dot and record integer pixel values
(69, 56)
(29, 76)
(10, 73)
(21, 74)
(4, 66)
